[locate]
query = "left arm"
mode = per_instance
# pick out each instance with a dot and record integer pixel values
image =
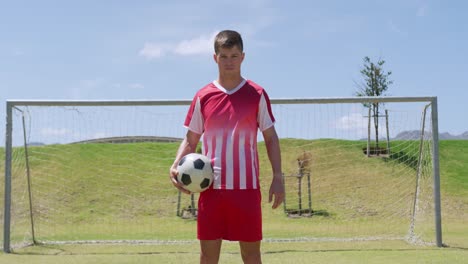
(274, 155)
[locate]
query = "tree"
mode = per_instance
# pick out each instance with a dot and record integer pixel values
(376, 83)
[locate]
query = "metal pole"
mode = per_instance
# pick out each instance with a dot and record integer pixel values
(7, 205)
(418, 171)
(28, 175)
(436, 171)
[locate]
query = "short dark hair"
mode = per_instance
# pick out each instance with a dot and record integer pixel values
(228, 39)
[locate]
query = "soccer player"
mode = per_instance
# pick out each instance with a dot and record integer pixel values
(228, 113)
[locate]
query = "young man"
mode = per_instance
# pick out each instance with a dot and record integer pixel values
(228, 113)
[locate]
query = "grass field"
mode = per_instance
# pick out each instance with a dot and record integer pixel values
(454, 182)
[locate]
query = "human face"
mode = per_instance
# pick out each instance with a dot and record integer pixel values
(229, 60)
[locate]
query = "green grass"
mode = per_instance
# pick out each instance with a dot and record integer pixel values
(454, 168)
(272, 253)
(79, 211)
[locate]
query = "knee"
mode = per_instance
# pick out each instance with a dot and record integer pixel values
(251, 257)
(208, 257)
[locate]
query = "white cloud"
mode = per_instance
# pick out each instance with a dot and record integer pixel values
(116, 85)
(395, 28)
(257, 15)
(136, 86)
(54, 132)
(12, 53)
(18, 53)
(132, 86)
(152, 51)
(422, 11)
(199, 45)
(352, 125)
(354, 121)
(99, 135)
(91, 83)
(85, 88)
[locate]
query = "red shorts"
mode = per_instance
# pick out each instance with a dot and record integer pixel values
(234, 215)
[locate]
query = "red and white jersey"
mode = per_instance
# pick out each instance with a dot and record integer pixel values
(229, 121)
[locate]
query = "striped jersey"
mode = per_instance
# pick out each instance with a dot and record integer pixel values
(229, 121)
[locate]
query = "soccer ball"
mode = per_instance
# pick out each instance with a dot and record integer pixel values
(195, 172)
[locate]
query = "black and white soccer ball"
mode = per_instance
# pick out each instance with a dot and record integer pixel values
(195, 172)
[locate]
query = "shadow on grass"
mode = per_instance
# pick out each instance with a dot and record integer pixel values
(294, 213)
(404, 158)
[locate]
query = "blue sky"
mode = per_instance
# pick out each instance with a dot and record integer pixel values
(162, 49)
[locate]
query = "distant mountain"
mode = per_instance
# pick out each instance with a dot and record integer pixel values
(446, 135)
(415, 134)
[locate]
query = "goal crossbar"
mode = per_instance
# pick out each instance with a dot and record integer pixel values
(326, 100)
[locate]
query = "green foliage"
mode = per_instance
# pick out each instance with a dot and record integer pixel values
(376, 80)
(376, 83)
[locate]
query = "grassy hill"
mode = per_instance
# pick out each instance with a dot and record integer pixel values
(454, 167)
(137, 191)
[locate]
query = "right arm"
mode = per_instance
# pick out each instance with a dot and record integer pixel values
(188, 145)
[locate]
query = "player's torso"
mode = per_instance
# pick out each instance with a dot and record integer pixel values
(230, 134)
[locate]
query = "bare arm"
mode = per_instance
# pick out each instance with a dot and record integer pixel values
(274, 155)
(188, 145)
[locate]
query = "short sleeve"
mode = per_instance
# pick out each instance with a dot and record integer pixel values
(265, 116)
(194, 119)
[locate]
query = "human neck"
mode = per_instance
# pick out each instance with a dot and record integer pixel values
(229, 82)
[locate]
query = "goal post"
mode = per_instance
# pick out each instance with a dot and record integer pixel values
(96, 171)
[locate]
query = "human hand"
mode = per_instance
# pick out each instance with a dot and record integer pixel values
(276, 190)
(173, 177)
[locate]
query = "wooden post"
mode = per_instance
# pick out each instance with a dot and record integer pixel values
(388, 133)
(178, 204)
(368, 133)
(310, 193)
(192, 210)
(284, 201)
(299, 178)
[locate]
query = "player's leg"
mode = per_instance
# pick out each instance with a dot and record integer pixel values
(210, 225)
(250, 252)
(210, 251)
(244, 221)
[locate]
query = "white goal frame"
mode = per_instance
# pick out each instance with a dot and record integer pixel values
(11, 104)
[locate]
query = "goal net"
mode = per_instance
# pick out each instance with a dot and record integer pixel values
(98, 172)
